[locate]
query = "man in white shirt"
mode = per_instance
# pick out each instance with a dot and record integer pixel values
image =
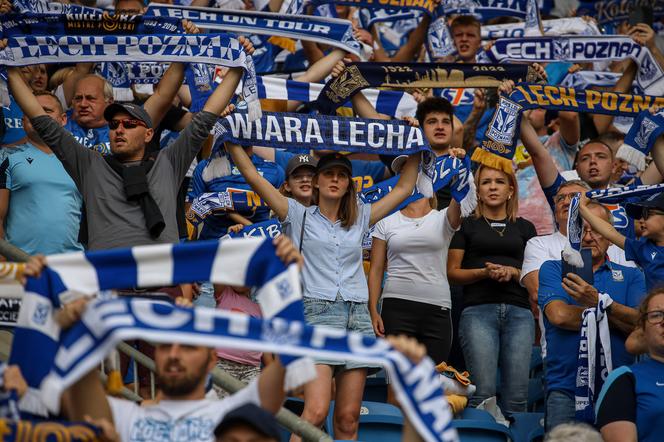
(549, 247)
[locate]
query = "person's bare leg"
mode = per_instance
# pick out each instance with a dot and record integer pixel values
(317, 396)
(350, 389)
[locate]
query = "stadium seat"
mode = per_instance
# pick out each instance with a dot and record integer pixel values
(525, 424)
(476, 414)
(537, 435)
(378, 422)
(375, 388)
(471, 430)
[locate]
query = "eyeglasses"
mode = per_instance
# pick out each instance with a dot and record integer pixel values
(565, 196)
(647, 212)
(127, 123)
(655, 317)
(302, 176)
(593, 234)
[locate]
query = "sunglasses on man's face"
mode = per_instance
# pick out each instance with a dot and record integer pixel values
(127, 123)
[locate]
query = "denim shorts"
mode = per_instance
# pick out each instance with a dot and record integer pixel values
(346, 315)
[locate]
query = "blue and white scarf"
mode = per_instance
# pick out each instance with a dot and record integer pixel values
(581, 49)
(439, 39)
(394, 103)
(426, 6)
(46, 7)
(195, 48)
(586, 79)
(266, 229)
(301, 133)
(209, 203)
(616, 11)
(499, 143)
(65, 356)
(641, 138)
(594, 362)
(572, 249)
(331, 31)
(560, 26)
(486, 9)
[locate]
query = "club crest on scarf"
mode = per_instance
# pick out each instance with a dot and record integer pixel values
(347, 82)
(645, 130)
(440, 39)
(501, 128)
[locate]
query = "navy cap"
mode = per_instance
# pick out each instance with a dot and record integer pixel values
(253, 416)
(334, 159)
(300, 160)
(132, 109)
(635, 210)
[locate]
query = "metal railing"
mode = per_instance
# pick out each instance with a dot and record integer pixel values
(220, 378)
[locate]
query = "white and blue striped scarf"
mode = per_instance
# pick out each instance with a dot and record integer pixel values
(217, 49)
(394, 103)
(65, 356)
(641, 138)
(616, 11)
(560, 26)
(594, 362)
(330, 31)
(581, 49)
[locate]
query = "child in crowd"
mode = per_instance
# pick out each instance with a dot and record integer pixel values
(244, 365)
(648, 250)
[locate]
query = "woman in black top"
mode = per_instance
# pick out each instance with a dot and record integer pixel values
(496, 325)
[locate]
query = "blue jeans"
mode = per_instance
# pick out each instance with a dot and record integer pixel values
(493, 333)
(559, 409)
(206, 296)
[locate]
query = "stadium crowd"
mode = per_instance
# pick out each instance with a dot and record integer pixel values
(85, 166)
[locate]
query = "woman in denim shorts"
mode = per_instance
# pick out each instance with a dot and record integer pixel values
(329, 233)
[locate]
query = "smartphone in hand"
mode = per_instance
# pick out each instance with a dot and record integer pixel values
(585, 272)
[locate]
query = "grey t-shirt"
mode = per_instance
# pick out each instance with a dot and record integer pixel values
(112, 220)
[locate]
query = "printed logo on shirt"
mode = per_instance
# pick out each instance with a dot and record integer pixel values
(659, 384)
(652, 255)
(617, 275)
(30, 160)
(191, 429)
(363, 182)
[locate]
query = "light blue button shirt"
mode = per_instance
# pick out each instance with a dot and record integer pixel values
(332, 254)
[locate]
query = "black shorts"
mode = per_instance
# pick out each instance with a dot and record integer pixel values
(430, 324)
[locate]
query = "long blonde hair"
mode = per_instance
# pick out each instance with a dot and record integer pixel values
(512, 203)
(348, 211)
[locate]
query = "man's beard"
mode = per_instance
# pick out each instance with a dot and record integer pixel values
(183, 386)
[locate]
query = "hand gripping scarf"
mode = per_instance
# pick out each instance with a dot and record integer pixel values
(499, 143)
(301, 133)
(594, 361)
(65, 356)
(358, 76)
(217, 49)
(641, 138)
(330, 31)
(581, 49)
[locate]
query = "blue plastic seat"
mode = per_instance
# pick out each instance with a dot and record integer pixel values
(375, 388)
(378, 422)
(524, 424)
(537, 435)
(471, 430)
(476, 414)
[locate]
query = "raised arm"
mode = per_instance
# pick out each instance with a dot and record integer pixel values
(599, 225)
(624, 85)
(317, 72)
(454, 214)
(376, 273)
(260, 185)
(23, 95)
(402, 189)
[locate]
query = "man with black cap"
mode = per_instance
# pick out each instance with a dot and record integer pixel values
(129, 199)
(248, 423)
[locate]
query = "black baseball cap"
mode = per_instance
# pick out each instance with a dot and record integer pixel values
(132, 109)
(334, 159)
(635, 210)
(300, 161)
(253, 416)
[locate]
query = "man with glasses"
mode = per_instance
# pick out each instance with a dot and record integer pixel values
(549, 247)
(647, 251)
(631, 405)
(563, 298)
(130, 200)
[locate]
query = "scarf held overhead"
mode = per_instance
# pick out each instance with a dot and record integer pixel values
(581, 49)
(499, 143)
(616, 11)
(358, 76)
(68, 355)
(332, 31)
(217, 49)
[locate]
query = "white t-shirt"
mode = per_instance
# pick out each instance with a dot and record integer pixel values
(549, 247)
(417, 257)
(176, 421)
